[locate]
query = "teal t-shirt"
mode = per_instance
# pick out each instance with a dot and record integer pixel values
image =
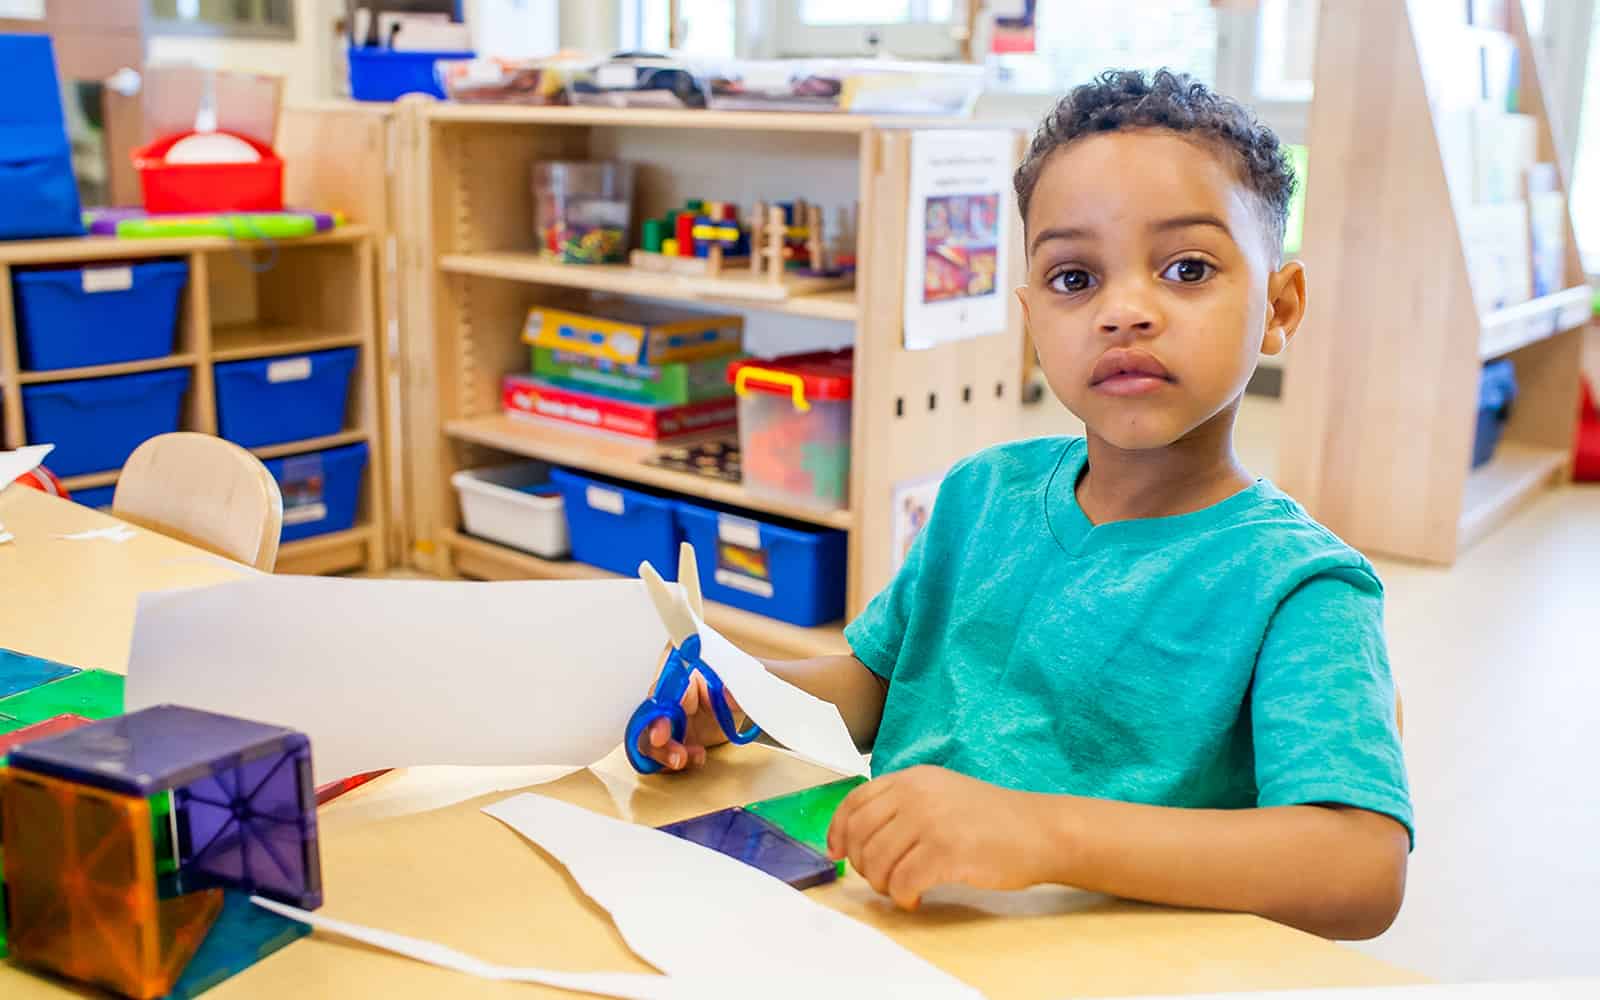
(1228, 658)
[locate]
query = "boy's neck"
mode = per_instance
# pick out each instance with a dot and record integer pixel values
(1188, 475)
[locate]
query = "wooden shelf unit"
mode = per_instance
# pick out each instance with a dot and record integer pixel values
(1381, 388)
(240, 301)
(914, 412)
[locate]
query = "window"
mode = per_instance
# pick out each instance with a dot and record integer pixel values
(913, 29)
(235, 18)
(1078, 40)
(1586, 172)
(1285, 50)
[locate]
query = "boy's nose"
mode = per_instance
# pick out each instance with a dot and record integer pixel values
(1128, 314)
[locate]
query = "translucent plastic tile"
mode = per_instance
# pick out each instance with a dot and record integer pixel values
(81, 888)
(243, 935)
(751, 839)
(94, 694)
(39, 730)
(805, 815)
(20, 672)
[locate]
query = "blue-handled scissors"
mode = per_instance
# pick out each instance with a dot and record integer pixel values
(679, 611)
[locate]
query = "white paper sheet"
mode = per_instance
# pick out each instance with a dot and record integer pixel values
(630, 985)
(5, 536)
(116, 533)
(1553, 989)
(390, 673)
(15, 464)
(811, 728)
(692, 912)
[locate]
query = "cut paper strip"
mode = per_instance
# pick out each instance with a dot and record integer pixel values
(16, 464)
(679, 905)
(392, 673)
(812, 729)
(116, 533)
(1553, 989)
(5, 536)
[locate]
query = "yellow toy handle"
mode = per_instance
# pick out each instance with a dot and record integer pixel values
(794, 383)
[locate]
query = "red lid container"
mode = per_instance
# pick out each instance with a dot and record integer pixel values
(209, 187)
(827, 376)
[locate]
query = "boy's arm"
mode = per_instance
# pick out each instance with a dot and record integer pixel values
(844, 680)
(1334, 871)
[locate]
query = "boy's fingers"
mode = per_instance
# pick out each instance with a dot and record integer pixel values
(660, 732)
(912, 876)
(883, 852)
(858, 798)
(864, 826)
(693, 694)
(697, 755)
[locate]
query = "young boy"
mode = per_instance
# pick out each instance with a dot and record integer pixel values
(1120, 662)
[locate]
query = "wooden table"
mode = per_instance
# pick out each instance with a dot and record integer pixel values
(458, 877)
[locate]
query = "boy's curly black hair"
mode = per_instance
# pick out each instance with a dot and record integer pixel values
(1119, 100)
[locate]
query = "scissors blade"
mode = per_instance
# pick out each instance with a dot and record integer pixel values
(670, 606)
(689, 580)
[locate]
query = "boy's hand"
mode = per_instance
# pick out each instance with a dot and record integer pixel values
(701, 730)
(912, 830)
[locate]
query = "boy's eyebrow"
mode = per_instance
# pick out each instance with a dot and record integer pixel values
(1186, 221)
(1068, 233)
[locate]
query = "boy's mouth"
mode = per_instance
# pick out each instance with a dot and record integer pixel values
(1129, 371)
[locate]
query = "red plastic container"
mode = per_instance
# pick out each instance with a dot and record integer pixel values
(209, 187)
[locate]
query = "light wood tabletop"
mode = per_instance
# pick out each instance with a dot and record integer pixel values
(456, 876)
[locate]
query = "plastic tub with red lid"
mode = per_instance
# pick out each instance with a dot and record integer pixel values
(209, 187)
(794, 427)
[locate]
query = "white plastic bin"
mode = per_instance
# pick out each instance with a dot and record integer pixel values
(514, 505)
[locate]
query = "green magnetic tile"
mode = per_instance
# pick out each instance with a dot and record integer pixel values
(94, 694)
(805, 815)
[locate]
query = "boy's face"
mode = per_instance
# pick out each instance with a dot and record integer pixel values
(1151, 290)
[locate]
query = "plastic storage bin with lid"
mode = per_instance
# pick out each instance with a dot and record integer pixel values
(515, 505)
(789, 571)
(97, 314)
(384, 74)
(96, 423)
(321, 490)
(276, 400)
(616, 527)
(1497, 390)
(794, 427)
(581, 211)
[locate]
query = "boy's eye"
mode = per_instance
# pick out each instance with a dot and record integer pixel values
(1072, 280)
(1188, 271)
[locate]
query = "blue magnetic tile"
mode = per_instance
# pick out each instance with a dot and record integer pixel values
(20, 672)
(243, 935)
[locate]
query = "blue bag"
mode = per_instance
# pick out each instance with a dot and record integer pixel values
(37, 188)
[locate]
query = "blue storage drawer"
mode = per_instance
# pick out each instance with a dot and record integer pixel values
(788, 571)
(617, 527)
(277, 400)
(1497, 390)
(321, 490)
(379, 74)
(98, 314)
(98, 498)
(95, 423)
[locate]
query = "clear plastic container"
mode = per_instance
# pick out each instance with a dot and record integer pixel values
(581, 211)
(794, 428)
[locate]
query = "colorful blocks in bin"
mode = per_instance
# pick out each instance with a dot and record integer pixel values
(745, 836)
(81, 887)
(243, 935)
(94, 694)
(242, 796)
(19, 672)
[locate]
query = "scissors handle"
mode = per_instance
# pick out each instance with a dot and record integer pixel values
(667, 703)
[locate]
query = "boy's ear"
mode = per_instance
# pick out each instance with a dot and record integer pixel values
(1286, 306)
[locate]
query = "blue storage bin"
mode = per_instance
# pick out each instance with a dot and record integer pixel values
(378, 74)
(37, 188)
(97, 498)
(277, 400)
(321, 490)
(617, 527)
(1497, 390)
(98, 314)
(788, 571)
(95, 423)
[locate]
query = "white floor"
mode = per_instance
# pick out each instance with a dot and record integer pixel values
(1498, 659)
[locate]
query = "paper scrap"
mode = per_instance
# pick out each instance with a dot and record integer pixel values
(681, 907)
(115, 533)
(392, 673)
(5, 536)
(1549, 989)
(16, 464)
(809, 727)
(628, 985)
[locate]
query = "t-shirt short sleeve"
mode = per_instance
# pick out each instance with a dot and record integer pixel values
(1323, 701)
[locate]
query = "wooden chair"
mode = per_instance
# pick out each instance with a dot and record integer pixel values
(205, 491)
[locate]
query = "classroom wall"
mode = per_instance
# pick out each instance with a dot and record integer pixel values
(307, 63)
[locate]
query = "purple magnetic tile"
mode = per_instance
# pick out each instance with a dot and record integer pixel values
(254, 828)
(747, 837)
(154, 750)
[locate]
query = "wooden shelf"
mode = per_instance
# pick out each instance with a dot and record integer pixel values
(309, 444)
(91, 480)
(100, 371)
(490, 561)
(74, 249)
(337, 552)
(837, 304)
(731, 121)
(1515, 327)
(266, 340)
(622, 460)
(1515, 475)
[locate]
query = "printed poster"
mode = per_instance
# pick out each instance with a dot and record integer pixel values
(959, 227)
(913, 506)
